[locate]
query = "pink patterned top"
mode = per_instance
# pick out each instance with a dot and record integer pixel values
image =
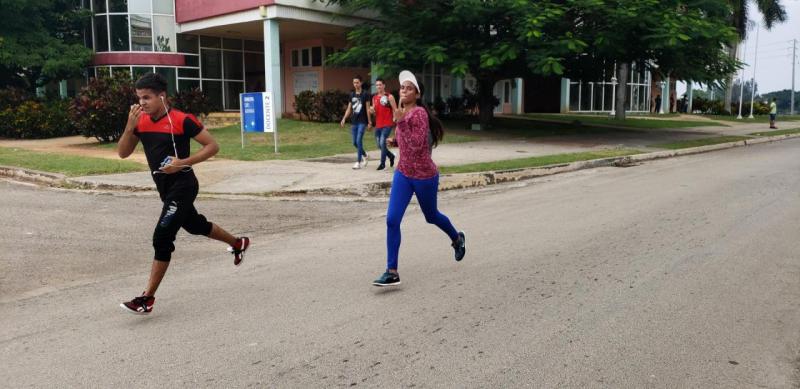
(415, 152)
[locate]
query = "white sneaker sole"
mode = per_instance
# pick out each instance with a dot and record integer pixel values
(385, 285)
(124, 308)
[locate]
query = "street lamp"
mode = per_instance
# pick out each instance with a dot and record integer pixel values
(661, 106)
(613, 96)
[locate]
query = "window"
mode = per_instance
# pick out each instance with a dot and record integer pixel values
(211, 63)
(139, 71)
(209, 41)
(188, 44)
(99, 6)
(233, 65)
(232, 44)
(141, 33)
(163, 7)
(306, 54)
(192, 60)
(169, 74)
(316, 56)
(295, 61)
(232, 90)
(118, 6)
(101, 33)
(188, 84)
(164, 33)
(254, 46)
(188, 72)
(119, 32)
(141, 6)
(507, 92)
(213, 89)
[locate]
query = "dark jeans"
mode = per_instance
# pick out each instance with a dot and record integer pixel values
(380, 139)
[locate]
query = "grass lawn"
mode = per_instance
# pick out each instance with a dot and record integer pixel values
(296, 140)
(68, 165)
(699, 142)
(756, 119)
(634, 122)
(777, 132)
(536, 161)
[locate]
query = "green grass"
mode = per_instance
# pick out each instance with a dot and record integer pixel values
(699, 142)
(296, 140)
(756, 119)
(777, 132)
(630, 122)
(68, 165)
(536, 161)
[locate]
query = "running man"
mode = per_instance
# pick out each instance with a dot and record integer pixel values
(383, 106)
(773, 112)
(359, 107)
(165, 134)
(418, 132)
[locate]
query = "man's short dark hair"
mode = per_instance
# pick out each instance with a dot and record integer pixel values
(380, 80)
(154, 81)
(358, 77)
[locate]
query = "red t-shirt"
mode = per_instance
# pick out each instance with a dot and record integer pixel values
(383, 111)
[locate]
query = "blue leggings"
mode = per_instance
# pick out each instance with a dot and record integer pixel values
(402, 189)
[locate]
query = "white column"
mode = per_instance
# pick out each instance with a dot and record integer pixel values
(272, 64)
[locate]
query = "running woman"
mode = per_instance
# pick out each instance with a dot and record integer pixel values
(358, 106)
(165, 134)
(383, 106)
(417, 134)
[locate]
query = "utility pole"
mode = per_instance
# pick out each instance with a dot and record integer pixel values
(794, 62)
(753, 82)
(741, 87)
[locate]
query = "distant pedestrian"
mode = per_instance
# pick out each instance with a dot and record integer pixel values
(359, 108)
(383, 106)
(657, 107)
(418, 132)
(773, 112)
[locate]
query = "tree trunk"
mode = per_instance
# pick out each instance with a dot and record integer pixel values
(486, 102)
(734, 50)
(622, 91)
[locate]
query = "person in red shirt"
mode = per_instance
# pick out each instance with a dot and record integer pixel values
(165, 134)
(418, 132)
(383, 106)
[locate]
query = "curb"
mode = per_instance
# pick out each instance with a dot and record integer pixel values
(446, 182)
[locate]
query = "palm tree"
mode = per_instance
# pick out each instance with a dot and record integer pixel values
(772, 11)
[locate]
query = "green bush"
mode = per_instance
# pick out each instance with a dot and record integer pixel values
(324, 106)
(101, 108)
(192, 101)
(33, 119)
(12, 97)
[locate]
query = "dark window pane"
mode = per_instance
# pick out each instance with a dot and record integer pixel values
(117, 5)
(232, 90)
(139, 71)
(169, 74)
(316, 56)
(213, 90)
(87, 37)
(233, 65)
(210, 41)
(254, 72)
(142, 6)
(189, 72)
(254, 46)
(328, 52)
(119, 32)
(232, 44)
(141, 33)
(188, 84)
(163, 7)
(99, 6)
(164, 33)
(187, 44)
(211, 63)
(306, 59)
(192, 60)
(101, 33)
(295, 61)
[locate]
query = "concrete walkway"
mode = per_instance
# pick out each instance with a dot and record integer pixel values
(335, 173)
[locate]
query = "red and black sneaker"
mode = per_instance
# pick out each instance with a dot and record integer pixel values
(141, 305)
(238, 250)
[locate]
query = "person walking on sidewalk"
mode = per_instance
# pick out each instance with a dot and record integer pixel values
(359, 107)
(773, 112)
(165, 134)
(383, 106)
(418, 132)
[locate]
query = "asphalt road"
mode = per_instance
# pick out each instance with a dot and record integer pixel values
(675, 273)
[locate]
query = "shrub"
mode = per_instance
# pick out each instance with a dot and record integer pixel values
(324, 106)
(101, 108)
(455, 106)
(32, 119)
(192, 101)
(12, 97)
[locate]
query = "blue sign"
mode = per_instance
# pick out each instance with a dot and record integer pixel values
(252, 110)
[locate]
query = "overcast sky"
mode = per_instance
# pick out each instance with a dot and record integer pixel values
(774, 65)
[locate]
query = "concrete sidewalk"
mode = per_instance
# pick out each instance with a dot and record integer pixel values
(334, 174)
